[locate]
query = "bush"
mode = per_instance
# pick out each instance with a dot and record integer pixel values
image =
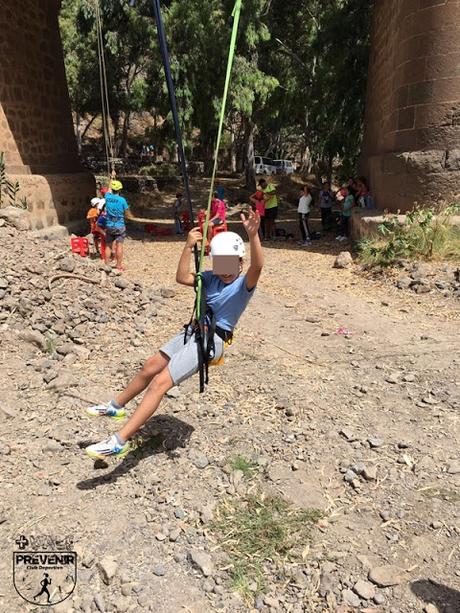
(165, 169)
(425, 233)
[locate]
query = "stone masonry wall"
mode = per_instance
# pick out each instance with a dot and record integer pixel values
(411, 150)
(36, 131)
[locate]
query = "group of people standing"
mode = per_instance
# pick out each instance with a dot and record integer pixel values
(355, 193)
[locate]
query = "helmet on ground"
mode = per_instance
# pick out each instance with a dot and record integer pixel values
(227, 243)
(117, 186)
(95, 201)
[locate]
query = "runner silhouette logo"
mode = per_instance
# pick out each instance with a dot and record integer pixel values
(44, 578)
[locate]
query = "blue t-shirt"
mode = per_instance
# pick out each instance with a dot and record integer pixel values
(227, 300)
(115, 207)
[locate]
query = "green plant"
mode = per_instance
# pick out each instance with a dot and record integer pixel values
(247, 467)
(259, 531)
(8, 188)
(424, 233)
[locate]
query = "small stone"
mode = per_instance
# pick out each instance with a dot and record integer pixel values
(408, 378)
(404, 283)
(208, 586)
(348, 434)
(351, 599)
(160, 536)
(174, 535)
(385, 515)
(198, 458)
(364, 589)
(174, 392)
(167, 292)
(350, 476)
(121, 283)
(203, 562)
(108, 567)
(370, 473)
(386, 576)
(343, 260)
(454, 468)
(436, 525)
(431, 608)
(392, 378)
(375, 442)
(159, 571)
(34, 338)
(379, 598)
(179, 513)
(3, 283)
(66, 265)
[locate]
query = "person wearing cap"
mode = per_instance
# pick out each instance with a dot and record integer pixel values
(117, 211)
(228, 293)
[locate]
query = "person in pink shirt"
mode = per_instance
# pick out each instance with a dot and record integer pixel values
(218, 214)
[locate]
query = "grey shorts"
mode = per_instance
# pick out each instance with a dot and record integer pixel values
(183, 359)
(115, 235)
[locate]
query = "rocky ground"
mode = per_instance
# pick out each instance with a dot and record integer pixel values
(340, 393)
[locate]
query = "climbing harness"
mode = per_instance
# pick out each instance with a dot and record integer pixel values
(202, 323)
(109, 149)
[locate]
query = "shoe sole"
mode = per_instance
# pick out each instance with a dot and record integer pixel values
(98, 456)
(114, 417)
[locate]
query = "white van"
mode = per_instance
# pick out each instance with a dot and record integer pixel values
(284, 167)
(264, 166)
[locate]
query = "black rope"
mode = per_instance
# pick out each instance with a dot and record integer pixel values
(172, 99)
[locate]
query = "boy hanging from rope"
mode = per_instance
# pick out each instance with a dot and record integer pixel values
(227, 295)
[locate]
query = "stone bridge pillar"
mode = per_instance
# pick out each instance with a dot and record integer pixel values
(36, 131)
(411, 150)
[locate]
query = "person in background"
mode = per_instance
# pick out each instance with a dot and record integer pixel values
(258, 202)
(348, 204)
(364, 196)
(326, 200)
(304, 213)
(117, 211)
(177, 213)
(218, 214)
(271, 208)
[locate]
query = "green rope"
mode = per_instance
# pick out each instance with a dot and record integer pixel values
(199, 283)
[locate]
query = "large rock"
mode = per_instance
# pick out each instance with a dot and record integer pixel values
(343, 260)
(203, 562)
(386, 576)
(18, 218)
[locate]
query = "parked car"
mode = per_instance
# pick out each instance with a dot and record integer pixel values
(284, 167)
(264, 166)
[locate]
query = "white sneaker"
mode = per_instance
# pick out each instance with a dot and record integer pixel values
(306, 243)
(106, 410)
(342, 238)
(110, 446)
(338, 238)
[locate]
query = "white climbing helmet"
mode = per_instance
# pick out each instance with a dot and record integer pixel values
(95, 201)
(227, 243)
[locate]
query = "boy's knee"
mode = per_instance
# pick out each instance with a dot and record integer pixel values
(163, 380)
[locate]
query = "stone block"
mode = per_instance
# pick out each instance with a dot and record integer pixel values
(406, 118)
(425, 161)
(437, 137)
(420, 93)
(442, 66)
(452, 161)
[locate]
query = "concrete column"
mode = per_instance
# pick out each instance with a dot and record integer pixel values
(411, 150)
(36, 131)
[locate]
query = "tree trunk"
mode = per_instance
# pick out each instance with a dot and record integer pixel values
(124, 135)
(250, 170)
(78, 132)
(233, 153)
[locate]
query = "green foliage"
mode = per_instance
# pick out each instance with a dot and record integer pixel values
(298, 83)
(9, 189)
(258, 530)
(247, 467)
(424, 233)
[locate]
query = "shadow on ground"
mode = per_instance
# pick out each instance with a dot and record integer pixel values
(162, 434)
(446, 599)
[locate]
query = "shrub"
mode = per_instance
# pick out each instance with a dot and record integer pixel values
(425, 233)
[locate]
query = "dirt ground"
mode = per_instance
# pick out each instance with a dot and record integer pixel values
(362, 424)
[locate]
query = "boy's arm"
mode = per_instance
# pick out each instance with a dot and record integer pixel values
(183, 274)
(251, 225)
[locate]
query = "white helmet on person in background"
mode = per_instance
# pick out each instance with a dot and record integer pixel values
(101, 204)
(227, 243)
(95, 201)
